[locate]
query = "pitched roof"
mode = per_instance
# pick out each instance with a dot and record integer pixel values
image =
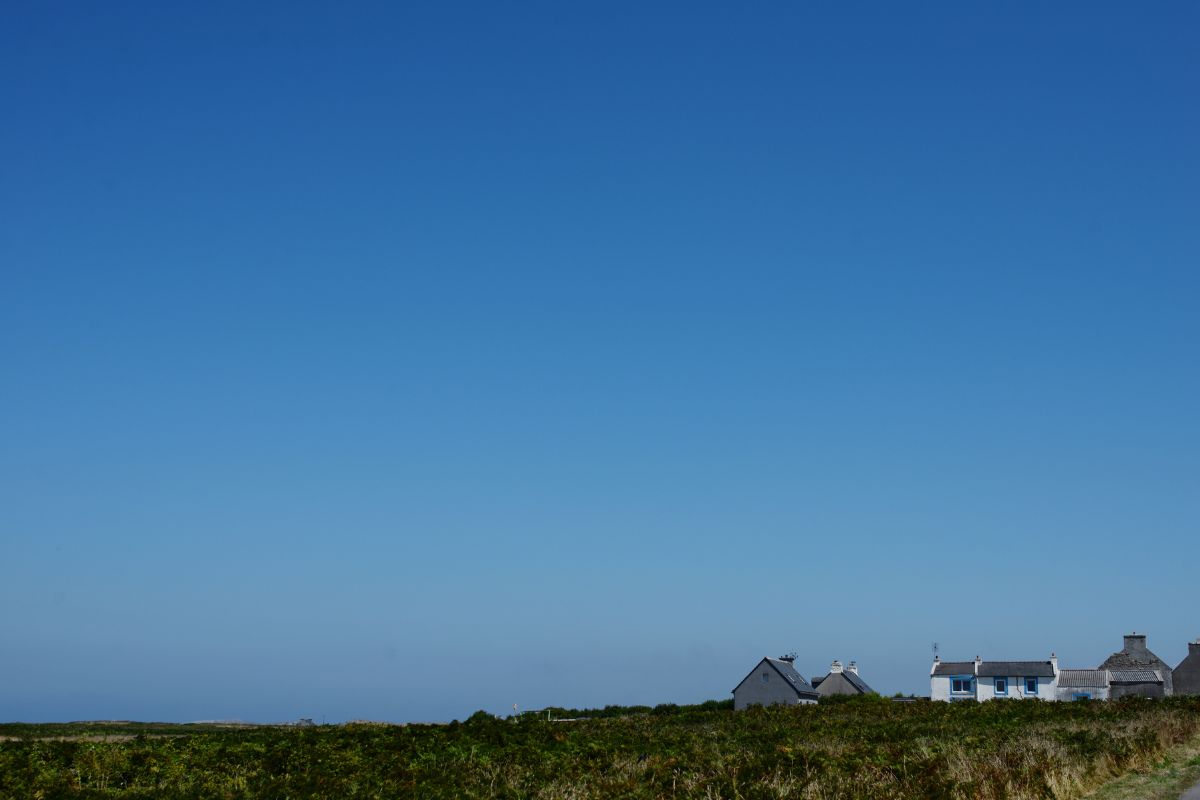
(954, 668)
(1136, 676)
(858, 682)
(997, 669)
(789, 674)
(1081, 678)
(1141, 659)
(1016, 669)
(851, 677)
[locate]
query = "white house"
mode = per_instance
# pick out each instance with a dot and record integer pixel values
(988, 680)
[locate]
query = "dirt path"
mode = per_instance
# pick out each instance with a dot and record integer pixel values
(1192, 793)
(1170, 778)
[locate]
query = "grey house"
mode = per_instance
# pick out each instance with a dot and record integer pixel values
(773, 682)
(1136, 683)
(1133, 670)
(1186, 677)
(841, 680)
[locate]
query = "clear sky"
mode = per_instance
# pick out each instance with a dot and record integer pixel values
(392, 361)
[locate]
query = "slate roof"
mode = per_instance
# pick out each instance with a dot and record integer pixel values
(1136, 676)
(858, 683)
(851, 677)
(996, 669)
(1016, 669)
(1082, 678)
(954, 668)
(1143, 659)
(1123, 660)
(790, 675)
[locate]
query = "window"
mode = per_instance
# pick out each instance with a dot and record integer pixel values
(1001, 685)
(960, 685)
(1081, 696)
(766, 676)
(1031, 686)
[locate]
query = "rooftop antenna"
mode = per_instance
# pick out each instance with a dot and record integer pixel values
(936, 647)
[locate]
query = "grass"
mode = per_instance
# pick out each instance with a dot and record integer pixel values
(865, 748)
(1168, 778)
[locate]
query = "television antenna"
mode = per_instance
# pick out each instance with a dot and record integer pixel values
(936, 647)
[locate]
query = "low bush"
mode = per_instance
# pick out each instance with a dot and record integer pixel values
(864, 748)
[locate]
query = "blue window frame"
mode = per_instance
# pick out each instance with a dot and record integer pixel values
(1031, 686)
(1082, 696)
(962, 684)
(1001, 685)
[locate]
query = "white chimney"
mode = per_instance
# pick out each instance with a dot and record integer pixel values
(852, 667)
(978, 661)
(835, 667)
(1054, 663)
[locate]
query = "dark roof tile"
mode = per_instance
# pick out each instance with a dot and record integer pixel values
(954, 668)
(1016, 669)
(802, 687)
(858, 683)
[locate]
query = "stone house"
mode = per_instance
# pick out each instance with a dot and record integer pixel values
(773, 681)
(1137, 671)
(1185, 678)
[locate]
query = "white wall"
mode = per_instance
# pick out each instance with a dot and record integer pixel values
(985, 688)
(939, 688)
(1066, 694)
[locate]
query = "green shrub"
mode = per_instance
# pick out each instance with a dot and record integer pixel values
(864, 747)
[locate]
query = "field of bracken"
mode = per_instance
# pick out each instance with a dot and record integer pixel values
(865, 748)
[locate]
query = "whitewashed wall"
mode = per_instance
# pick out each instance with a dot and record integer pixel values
(985, 688)
(1066, 694)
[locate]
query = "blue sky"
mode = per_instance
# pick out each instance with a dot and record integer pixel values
(398, 361)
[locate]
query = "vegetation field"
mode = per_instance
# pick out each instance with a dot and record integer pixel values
(865, 748)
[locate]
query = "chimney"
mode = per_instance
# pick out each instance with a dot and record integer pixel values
(836, 666)
(852, 667)
(789, 658)
(1054, 663)
(1135, 643)
(978, 661)
(1194, 647)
